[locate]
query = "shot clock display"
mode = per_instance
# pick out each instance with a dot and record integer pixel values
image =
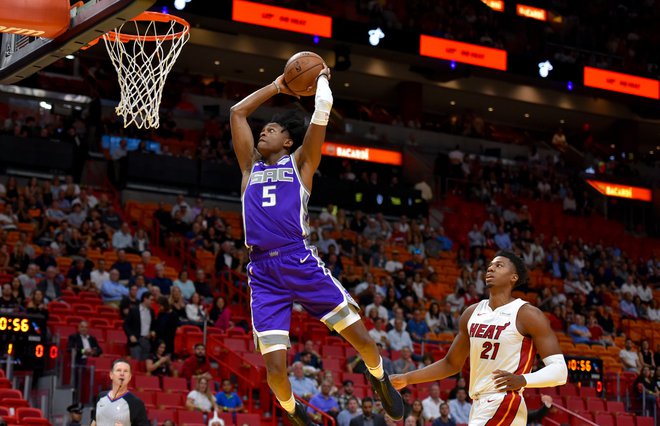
(25, 338)
(587, 371)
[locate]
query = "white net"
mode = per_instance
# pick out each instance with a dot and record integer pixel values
(143, 58)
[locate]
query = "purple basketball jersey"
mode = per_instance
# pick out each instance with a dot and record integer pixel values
(275, 206)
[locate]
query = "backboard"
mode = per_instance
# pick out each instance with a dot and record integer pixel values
(22, 55)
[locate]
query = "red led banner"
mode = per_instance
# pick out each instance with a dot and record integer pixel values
(496, 5)
(281, 18)
(623, 83)
(531, 12)
(621, 191)
(363, 153)
(466, 53)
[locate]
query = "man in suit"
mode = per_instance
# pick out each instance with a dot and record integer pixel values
(368, 417)
(139, 326)
(84, 344)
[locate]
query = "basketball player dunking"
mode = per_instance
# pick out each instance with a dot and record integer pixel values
(501, 335)
(284, 268)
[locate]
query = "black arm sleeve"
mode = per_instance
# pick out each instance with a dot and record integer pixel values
(537, 415)
(137, 409)
(98, 398)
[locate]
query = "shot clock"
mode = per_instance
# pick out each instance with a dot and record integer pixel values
(586, 371)
(24, 337)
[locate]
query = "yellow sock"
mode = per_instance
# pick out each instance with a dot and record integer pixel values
(377, 371)
(290, 405)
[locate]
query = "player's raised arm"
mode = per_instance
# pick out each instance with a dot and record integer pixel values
(241, 133)
(533, 323)
(451, 364)
(308, 156)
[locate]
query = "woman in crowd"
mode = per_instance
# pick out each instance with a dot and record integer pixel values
(220, 314)
(159, 362)
(201, 399)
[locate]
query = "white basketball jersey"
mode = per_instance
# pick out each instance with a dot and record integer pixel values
(496, 344)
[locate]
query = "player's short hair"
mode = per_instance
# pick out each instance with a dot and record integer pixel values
(518, 263)
(294, 124)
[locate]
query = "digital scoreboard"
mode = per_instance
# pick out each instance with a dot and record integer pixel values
(24, 337)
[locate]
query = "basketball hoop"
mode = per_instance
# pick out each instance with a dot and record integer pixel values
(154, 41)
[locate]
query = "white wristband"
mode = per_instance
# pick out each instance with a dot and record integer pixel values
(554, 373)
(322, 102)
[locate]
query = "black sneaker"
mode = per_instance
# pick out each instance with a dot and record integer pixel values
(389, 397)
(299, 417)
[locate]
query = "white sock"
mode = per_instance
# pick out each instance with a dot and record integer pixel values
(290, 405)
(377, 371)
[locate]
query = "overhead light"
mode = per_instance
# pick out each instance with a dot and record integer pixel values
(375, 36)
(658, 147)
(180, 4)
(70, 57)
(569, 85)
(261, 70)
(45, 105)
(612, 146)
(562, 121)
(491, 109)
(452, 102)
(216, 62)
(526, 115)
(651, 152)
(347, 84)
(545, 68)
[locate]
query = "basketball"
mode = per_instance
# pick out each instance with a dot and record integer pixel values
(300, 72)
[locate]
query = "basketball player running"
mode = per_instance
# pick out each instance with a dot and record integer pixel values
(500, 335)
(284, 268)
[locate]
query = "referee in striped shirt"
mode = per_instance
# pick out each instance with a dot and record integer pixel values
(118, 406)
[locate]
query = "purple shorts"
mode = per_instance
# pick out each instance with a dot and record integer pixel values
(294, 273)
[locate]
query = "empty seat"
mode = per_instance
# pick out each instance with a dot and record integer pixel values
(604, 419)
(147, 383)
(192, 417)
(248, 419)
(169, 400)
(23, 412)
(175, 384)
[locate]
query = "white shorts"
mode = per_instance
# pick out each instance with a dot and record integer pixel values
(499, 409)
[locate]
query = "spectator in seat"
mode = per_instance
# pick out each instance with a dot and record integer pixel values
(112, 291)
(111, 218)
(197, 366)
(202, 286)
(166, 323)
(83, 344)
(187, 286)
(17, 290)
(627, 306)
(220, 314)
(45, 259)
(347, 393)
(460, 407)
(368, 417)
(579, 332)
(645, 389)
(123, 266)
(159, 362)
(130, 301)
(646, 357)
(51, 284)
(431, 404)
(196, 312)
(324, 402)
(630, 358)
(398, 337)
(78, 276)
(29, 279)
(161, 281)
(201, 398)
(8, 302)
(315, 357)
(378, 333)
(405, 363)
(227, 400)
(351, 410)
(139, 327)
(417, 326)
(37, 304)
(140, 241)
(122, 239)
(444, 419)
(302, 386)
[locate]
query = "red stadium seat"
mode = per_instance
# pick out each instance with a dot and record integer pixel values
(185, 417)
(10, 393)
(147, 383)
(23, 412)
(161, 415)
(248, 419)
(14, 403)
(615, 407)
(575, 404)
(169, 400)
(624, 420)
(175, 384)
(595, 404)
(644, 421)
(604, 419)
(333, 352)
(587, 392)
(34, 421)
(146, 397)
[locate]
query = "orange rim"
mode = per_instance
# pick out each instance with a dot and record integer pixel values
(150, 16)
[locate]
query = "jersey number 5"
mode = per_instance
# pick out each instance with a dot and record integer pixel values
(485, 354)
(269, 196)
